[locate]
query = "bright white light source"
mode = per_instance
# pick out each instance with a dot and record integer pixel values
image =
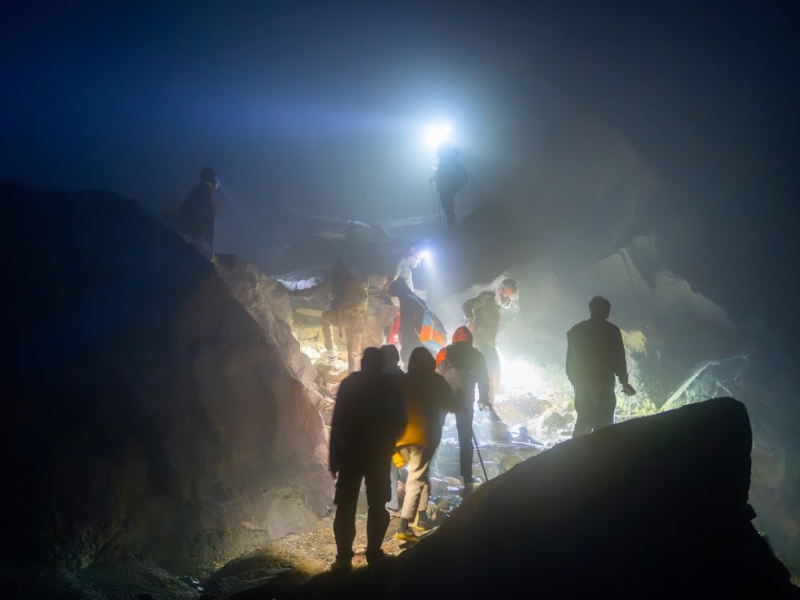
(426, 254)
(438, 134)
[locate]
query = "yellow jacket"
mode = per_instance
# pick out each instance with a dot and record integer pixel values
(425, 398)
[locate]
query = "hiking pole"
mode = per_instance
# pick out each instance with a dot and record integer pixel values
(436, 207)
(474, 439)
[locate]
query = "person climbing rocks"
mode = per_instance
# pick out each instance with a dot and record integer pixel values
(199, 209)
(348, 312)
(425, 396)
(367, 421)
(391, 358)
(595, 356)
(482, 314)
(402, 263)
(412, 314)
(450, 177)
(464, 369)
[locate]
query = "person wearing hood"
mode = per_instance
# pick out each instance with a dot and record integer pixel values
(464, 369)
(412, 314)
(425, 396)
(199, 210)
(367, 421)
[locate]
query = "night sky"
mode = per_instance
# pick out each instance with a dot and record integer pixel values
(323, 107)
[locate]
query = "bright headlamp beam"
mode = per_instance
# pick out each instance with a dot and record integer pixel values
(438, 134)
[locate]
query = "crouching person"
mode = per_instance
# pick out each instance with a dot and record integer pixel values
(367, 420)
(425, 395)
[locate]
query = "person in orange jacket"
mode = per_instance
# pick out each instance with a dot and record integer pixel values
(464, 369)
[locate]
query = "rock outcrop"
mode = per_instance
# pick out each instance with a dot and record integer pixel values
(154, 402)
(651, 508)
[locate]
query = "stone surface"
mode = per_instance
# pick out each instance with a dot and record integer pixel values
(154, 401)
(651, 508)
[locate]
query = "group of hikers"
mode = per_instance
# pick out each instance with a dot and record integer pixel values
(384, 418)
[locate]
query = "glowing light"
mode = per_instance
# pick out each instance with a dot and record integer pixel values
(426, 255)
(438, 134)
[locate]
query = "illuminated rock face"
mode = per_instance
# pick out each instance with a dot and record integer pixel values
(651, 508)
(154, 400)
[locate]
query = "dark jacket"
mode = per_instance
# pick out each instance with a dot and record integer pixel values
(197, 213)
(472, 367)
(450, 175)
(412, 312)
(367, 420)
(595, 353)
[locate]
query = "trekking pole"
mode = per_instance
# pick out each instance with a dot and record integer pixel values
(436, 208)
(474, 439)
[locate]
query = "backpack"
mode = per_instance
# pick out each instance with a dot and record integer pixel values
(451, 373)
(356, 296)
(433, 334)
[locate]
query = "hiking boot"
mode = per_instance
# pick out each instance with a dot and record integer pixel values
(406, 536)
(423, 525)
(468, 489)
(375, 557)
(342, 565)
(394, 513)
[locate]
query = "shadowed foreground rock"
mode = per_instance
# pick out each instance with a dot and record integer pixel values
(154, 403)
(650, 508)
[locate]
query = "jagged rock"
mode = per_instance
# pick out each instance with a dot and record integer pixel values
(267, 301)
(152, 403)
(651, 508)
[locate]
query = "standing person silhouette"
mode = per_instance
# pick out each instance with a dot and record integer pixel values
(595, 356)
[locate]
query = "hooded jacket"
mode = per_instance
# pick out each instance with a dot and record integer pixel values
(472, 367)
(425, 396)
(367, 419)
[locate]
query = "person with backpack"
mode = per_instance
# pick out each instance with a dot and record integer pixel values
(199, 210)
(419, 327)
(450, 177)
(348, 311)
(367, 421)
(425, 396)
(464, 369)
(595, 358)
(482, 314)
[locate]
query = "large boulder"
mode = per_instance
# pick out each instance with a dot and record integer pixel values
(651, 508)
(154, 401)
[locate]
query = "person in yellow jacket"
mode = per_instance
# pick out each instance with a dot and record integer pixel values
(426, 395)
